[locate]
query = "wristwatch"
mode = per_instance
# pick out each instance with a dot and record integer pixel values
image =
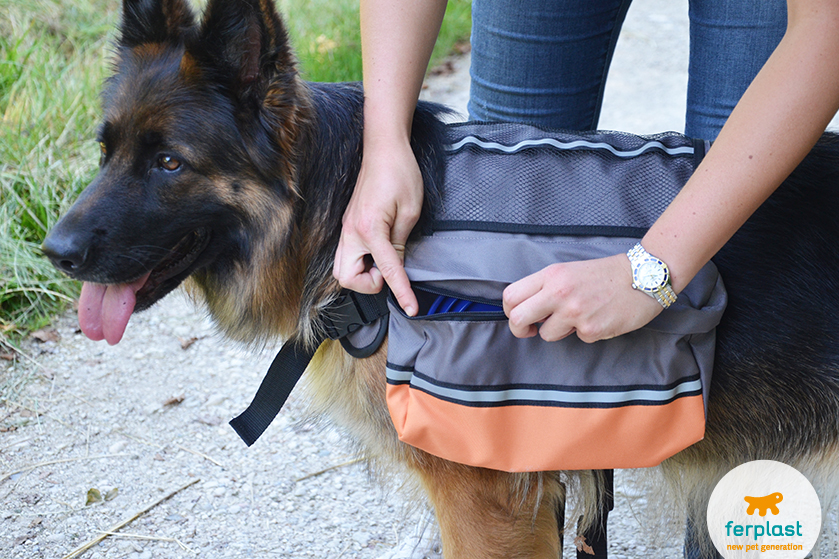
(651, 275)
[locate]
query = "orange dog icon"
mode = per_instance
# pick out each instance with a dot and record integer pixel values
(769, 502)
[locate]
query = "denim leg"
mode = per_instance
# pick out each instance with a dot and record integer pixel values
(730, 40)
(542, 62)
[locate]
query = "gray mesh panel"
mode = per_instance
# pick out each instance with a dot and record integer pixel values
(537, 178)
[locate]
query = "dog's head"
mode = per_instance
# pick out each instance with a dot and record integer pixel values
(198, 143)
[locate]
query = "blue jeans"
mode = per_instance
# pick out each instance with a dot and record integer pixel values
(545, 62)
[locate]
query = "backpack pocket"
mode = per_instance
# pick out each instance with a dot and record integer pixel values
(462, 387)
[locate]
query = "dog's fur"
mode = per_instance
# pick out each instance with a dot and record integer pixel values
(252, 216)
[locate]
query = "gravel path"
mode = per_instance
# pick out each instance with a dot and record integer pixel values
(125, 426)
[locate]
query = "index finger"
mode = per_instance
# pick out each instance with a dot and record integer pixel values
(389, 263)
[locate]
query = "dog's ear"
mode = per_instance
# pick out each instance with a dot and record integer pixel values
(247, 41)
(155, 21)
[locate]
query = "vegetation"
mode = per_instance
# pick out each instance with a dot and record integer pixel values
(54, 56)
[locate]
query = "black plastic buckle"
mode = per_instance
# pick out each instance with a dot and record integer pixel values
(342, 317)
(345, 315)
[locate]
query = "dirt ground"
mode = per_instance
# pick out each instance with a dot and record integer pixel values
(92, 436)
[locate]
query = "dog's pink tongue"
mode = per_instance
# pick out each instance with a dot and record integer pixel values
(104, 310)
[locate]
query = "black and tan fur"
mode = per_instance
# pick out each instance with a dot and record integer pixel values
(251, 218)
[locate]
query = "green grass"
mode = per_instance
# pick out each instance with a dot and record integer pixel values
(328, 43)
(52, 61)
(54, 56)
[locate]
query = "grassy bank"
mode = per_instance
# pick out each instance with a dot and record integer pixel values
(54, 55)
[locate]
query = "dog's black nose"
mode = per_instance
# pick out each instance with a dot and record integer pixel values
(65, 252)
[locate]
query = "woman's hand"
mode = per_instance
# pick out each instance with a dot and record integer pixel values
(593, 298)
(384, 208)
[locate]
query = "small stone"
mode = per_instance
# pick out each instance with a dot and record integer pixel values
(216, 399)
(117, 447)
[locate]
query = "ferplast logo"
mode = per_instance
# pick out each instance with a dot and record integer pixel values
(763, 504)
(764, 509)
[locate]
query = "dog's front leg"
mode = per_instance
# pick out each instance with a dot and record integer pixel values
(486, 514)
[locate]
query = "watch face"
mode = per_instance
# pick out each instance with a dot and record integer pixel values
(650, 275)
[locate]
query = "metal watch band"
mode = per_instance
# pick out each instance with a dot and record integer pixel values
(664, 294)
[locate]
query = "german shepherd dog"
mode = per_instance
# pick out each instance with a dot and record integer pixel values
(221, 168)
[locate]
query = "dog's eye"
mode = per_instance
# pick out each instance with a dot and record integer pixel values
(169, 163)
(103, 152)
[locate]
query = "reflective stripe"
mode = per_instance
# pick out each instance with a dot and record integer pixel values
(555, 396)
(472, 140)
(399, 377)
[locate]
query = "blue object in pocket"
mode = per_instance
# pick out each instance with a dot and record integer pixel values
(443, 304)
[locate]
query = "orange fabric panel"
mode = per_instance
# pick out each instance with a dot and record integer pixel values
(534, 438)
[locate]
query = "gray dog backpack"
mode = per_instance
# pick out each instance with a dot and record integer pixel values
(516, 199)
(459, 385)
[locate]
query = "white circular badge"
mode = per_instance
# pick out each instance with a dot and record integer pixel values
(764, 509)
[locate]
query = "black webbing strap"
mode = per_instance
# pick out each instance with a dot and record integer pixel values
(282, 376)
(596, 537)
(594, 542)
(348, 313)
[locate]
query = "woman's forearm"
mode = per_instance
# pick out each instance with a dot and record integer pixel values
(397, 38)
(775, 124)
